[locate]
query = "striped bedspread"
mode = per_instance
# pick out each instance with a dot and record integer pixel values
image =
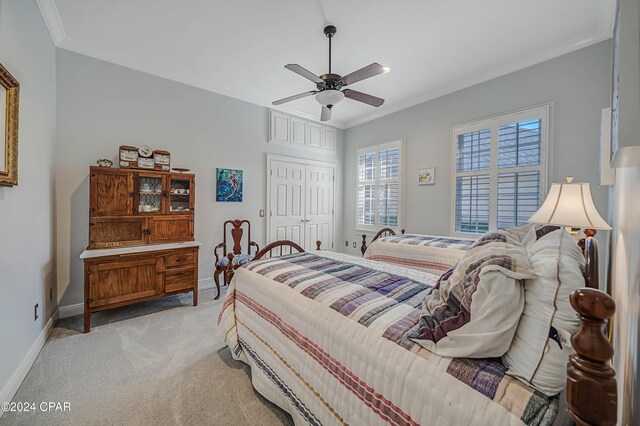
(326, 338)
(421, 252)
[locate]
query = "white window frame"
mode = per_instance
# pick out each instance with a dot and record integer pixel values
(543, 112)
(377, 148)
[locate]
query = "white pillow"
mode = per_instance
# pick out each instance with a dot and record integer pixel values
(533, 357)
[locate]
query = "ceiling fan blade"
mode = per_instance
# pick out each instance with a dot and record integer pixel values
(363, 97)
(363, 73)
(303, 72)
(326, 114)
(293, 98)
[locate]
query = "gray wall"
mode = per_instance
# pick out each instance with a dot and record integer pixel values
(101, 106)
(623, 217)
(578, 84)
(27, 269)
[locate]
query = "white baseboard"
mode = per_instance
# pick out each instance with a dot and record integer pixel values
(11, 387)
(204, 285)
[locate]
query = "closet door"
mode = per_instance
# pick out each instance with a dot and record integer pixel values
(319, 207)
(287, 202)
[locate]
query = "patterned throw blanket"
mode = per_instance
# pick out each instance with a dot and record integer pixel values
(421, 252)
(390, 304)
(429, 241)
(460, 315)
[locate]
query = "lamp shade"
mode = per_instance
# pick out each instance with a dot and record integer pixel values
(329, 97)
(570, 204)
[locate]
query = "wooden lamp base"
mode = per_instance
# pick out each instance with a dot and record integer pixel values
(588, 233)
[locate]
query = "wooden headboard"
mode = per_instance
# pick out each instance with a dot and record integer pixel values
(592, 396)
(384, 232)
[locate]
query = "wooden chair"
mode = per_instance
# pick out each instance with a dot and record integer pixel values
(227, 264)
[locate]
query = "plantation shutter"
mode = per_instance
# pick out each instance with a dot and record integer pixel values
(500, 170)
(388, 188)
(519, 147)
(472, 189)
(366, 188)
(379, 186)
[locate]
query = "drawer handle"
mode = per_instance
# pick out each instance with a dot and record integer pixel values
(180, 259)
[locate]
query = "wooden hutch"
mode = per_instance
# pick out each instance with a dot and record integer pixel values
(141, 243)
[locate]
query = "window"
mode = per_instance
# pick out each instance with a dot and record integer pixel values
(379, 186)
(500, 169)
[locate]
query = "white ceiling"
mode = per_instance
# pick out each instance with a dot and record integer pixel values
(239, 48)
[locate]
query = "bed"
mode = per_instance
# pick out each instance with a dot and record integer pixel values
(325, 336)
(427, 253)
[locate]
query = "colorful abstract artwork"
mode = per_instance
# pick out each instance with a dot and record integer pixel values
(229, 185)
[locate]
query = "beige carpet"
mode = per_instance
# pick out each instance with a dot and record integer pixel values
(156, 363)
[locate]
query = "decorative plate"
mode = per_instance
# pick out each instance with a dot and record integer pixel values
(145, 151)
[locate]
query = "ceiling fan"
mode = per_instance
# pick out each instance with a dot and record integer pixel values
(331, 87)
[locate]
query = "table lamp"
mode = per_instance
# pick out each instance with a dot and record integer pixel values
(569, 204)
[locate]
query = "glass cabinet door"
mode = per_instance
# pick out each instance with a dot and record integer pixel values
(180, 192)
(149, 193)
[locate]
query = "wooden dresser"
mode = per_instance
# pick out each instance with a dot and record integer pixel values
(141, 241)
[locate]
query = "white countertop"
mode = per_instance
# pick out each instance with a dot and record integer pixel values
(87, 254)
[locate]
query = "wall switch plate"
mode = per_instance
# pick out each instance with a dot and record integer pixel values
(261, 213)
(35, 311)
(354, 244)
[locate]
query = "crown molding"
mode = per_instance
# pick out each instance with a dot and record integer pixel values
(49, 12)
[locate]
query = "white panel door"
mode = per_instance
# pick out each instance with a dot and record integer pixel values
(319, 207)
(329, 139)
(287, 202)
(279, 131)
(298, 132)
(314, 135)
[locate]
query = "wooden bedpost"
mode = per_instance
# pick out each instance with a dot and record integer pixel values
(363, 248)
(318, 244)
(591, 381)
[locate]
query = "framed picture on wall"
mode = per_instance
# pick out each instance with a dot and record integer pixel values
(427, 176)
(229, 185)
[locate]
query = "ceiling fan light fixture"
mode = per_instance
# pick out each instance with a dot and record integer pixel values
(329, 97)
(387, 70)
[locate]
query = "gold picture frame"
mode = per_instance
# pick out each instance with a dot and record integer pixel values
(9, 107)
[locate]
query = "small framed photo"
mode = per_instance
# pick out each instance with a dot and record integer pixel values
(427, 176)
